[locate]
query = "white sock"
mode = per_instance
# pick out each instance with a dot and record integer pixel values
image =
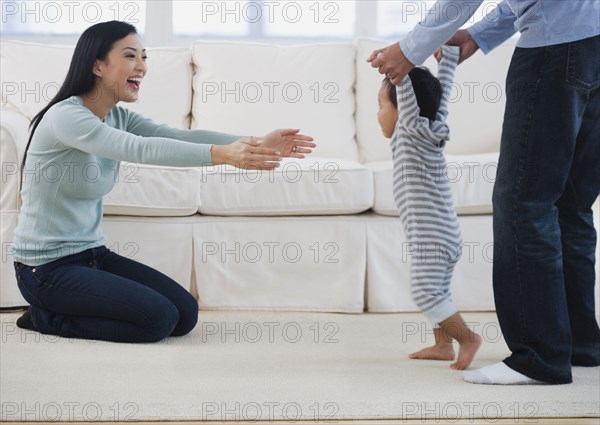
(498, 374)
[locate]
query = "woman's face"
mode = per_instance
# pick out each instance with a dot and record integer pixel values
(126, 61)
(387, 115)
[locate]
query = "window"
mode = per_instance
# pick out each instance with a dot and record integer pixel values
(232, 18)
(68, 17)
(174, 21)
(312, 19)
(265, 18)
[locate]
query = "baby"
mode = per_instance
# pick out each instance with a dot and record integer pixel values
(414, 116)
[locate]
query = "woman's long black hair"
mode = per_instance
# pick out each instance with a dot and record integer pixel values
(94, 43)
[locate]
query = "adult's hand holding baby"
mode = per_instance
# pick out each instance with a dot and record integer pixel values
(468, 46)
(391, 62)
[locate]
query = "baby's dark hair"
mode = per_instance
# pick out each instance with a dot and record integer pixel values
(428, 91)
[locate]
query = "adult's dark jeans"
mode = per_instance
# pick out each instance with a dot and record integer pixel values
(544, 238)
(98, 294)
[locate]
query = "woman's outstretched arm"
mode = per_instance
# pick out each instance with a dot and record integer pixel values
(75, 126)
(143, 126)
(288, 142)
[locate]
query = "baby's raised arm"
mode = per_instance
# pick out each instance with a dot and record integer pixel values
(408, 109)
(446, 70)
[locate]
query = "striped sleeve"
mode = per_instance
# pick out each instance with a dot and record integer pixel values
(408, 109)
(446, 70)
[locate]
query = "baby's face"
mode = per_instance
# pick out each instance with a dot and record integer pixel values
(387, 115)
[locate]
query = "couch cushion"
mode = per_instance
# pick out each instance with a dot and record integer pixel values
(251, 89)
(150, 190)
(30, 80)
(476, 103)
(471, 177)
(311, 186)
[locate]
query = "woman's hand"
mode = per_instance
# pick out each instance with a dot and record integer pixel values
(288, 142)
(246, 154)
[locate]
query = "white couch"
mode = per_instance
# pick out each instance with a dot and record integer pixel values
(320, 234)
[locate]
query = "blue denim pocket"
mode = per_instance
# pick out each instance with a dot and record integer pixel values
(38, 274)
(18, 267)
(584, 64)
(42, 274)
(27, 284)
(45, 273)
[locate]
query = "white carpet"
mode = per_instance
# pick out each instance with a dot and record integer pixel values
(260, 365)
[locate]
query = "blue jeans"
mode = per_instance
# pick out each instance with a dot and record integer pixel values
(544, 238)
(98, 294)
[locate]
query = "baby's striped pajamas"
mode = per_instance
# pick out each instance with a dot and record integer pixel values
(423, 195)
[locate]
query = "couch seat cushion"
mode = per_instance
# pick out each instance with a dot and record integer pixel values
(471, 177)
(311, 186)
(150, 190)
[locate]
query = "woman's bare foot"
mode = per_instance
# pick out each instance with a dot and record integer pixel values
(467, 352)
(442, 350)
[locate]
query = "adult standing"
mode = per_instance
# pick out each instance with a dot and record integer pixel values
(547, 180)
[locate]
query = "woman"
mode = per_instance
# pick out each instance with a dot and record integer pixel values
(77, 287)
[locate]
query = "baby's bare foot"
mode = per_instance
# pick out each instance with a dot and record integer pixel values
(467, 352)
(436, 352)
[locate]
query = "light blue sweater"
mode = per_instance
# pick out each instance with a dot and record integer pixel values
(73, 161)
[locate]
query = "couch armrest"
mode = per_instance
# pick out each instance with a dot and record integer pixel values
(14, 133)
